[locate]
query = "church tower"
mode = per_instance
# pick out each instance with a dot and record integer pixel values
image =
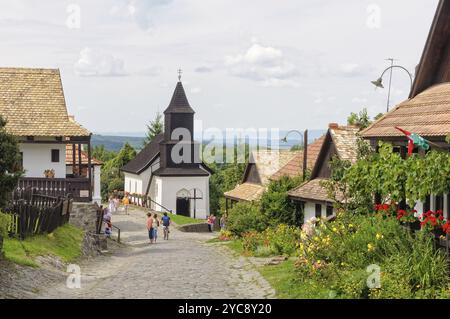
(178, 118)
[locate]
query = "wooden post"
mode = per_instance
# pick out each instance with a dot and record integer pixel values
(79, 159)
(89, 169)
(73, 159)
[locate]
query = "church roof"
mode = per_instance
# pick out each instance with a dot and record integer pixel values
(181, 171)
(179, 102)
(145, 157)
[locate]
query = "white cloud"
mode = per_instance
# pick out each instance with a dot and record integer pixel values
(350, 69)
(264, 64)
(96, 63)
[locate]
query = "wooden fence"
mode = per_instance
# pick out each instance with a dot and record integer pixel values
(33, 214)
(142, 201)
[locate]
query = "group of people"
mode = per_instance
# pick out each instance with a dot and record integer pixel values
(211, 220)
(113, 207)
(153, 223)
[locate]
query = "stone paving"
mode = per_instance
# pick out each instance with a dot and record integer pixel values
(184, 267)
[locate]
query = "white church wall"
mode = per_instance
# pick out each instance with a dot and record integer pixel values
(168, 187)
(133, 183)
(38, 157)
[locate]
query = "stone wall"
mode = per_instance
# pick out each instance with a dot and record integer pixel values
(194, 228)
(94, 244)
(84, 216)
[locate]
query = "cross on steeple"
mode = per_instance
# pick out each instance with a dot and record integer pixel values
(179, 74)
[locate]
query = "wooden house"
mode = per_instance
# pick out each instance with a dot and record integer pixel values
(427, 110)
(33, 104)
(311, 198)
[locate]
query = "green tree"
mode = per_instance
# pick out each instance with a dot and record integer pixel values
(101, 153)
(245, 217)
(275, 203)
(9, 159)
(361, 119)
(154, 128)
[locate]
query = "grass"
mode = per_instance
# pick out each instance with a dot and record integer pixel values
(285, 281)
(183, 220)
(65, 243)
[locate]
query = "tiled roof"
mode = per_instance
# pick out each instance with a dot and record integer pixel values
(246, 191)
(345, 139)
(84, 157)
(427, 114)
(268, 162)
(32, 101)
(294, 167)
(311, 190)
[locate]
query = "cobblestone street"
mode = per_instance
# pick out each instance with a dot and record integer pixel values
(183, 267)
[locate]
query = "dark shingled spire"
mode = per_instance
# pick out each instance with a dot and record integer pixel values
(179, 102)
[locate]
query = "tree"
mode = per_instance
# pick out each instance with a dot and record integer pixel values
(154, 128)
(101, 153)
(360, 120)
(9, 159)
(275, 203)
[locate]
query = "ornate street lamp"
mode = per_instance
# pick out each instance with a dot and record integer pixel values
(379, 82)
(305, 146)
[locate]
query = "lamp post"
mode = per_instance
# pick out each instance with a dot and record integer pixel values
(305, 146)
(379, 82)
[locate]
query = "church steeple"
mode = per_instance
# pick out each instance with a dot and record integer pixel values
(179, 102)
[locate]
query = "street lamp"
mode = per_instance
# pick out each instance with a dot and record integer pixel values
(379, 82)
(305, 146)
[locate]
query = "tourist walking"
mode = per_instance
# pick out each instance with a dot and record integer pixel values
(125, 203)
(155, 227)
(150, 227)
(166, 224)
(211, 220)
(223, 222)
(111, 205)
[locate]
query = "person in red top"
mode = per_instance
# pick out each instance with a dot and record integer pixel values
(150, 221)
(211, 220)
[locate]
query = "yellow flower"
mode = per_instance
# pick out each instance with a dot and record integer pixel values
(370, 247)
(334, 229)
(379, 236)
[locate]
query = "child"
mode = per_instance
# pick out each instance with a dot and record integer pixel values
(150, 227)
(155, 227)
(108, 224)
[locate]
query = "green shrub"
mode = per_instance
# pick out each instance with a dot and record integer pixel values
(279, 240)
(5, 221)
(337, 256)
(277, 206)
(245, 217)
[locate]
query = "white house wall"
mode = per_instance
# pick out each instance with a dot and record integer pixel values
(38, 157)
(133, 183)
(310, 210)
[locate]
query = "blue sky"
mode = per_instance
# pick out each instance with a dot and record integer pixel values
(255, 63)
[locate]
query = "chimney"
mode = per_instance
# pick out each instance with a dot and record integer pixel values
(333, 126)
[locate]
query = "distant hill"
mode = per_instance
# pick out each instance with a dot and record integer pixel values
(115, 143)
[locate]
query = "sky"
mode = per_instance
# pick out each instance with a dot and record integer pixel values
(290, 64)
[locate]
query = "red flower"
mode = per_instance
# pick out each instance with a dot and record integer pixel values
(446, 227)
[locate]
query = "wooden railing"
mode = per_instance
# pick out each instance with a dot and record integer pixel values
(143, 201)
(78, 188)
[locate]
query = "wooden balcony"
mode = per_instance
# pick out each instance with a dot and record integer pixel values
(79, 188)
